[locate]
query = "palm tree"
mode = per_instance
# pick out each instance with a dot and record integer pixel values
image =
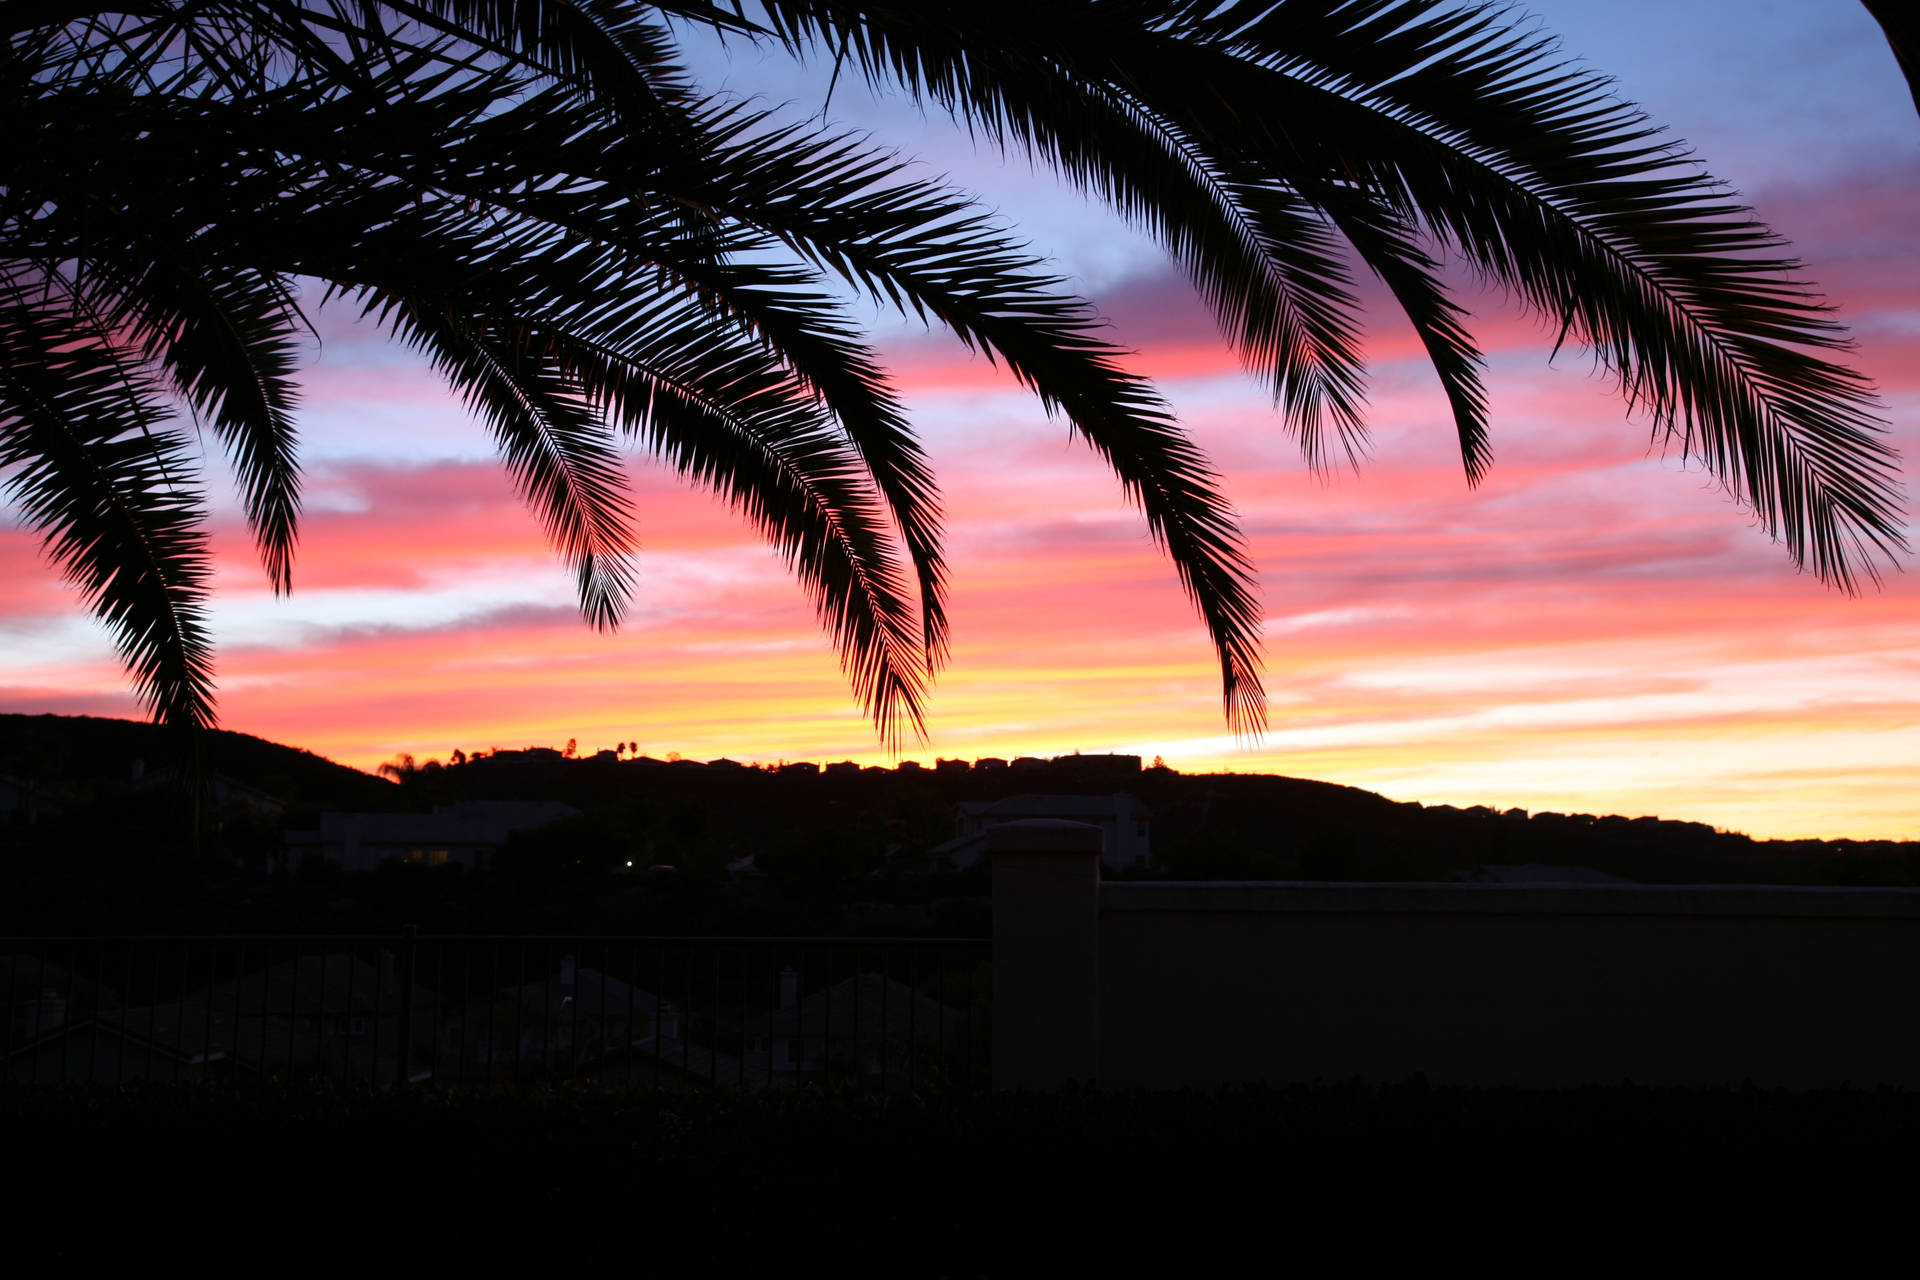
(534, 194)
(583, 245)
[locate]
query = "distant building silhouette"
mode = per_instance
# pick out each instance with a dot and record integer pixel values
(226, 793)
(866, 1024)
(22, 802)
(1078, 765)
(469, 833)
(1126, 821)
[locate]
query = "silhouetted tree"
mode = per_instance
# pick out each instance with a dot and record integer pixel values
(537, 197)
(401, 768)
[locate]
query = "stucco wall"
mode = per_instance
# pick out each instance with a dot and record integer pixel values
(1496, 984)
(1198, 985)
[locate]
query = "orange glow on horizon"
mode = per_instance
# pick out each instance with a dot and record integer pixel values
(1596, 628)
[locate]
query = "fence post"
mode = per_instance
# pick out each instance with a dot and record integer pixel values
(409, 934)
(1046, 952)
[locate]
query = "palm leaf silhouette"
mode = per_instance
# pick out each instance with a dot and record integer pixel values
(538, 197)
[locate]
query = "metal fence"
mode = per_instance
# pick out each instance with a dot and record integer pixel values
(752, 1013)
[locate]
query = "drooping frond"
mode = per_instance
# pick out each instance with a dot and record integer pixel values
(721, 417)
(923, 249)
(1391, 116)
(228, 337)
(554, 442)
(89, 461)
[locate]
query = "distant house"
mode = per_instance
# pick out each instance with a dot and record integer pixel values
(1079, 765)
(45, 1003)
(989, 764)
(227, 794)
(584, 1021)
(800, 766)
(843, 768)
(468, 832)
(668, 1058)
(1127, 823)
(62, 1026)
(334, 1014)
(951, 766)
(175, 1041)
(22, 803)
(578, 1015)
(529, 754)
(866, 1024)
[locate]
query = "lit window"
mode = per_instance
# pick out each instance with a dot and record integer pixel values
(437, 857)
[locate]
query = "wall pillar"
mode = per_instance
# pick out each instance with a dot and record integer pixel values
(1046, 952)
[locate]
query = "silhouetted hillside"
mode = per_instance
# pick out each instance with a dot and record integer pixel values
(80, 755)
(1205, 826)
(798, 850)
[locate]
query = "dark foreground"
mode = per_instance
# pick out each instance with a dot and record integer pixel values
(584, 1179)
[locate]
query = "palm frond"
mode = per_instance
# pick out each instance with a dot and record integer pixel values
(89, 461)
(1537, 175)
(555, 444)
(726, 415)
(1455, 120)
(1393, 252)
(924, 249)
(228, 337)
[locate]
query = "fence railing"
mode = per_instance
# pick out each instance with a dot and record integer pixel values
(752, 1013)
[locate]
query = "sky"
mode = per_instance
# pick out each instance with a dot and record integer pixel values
(1596, 628)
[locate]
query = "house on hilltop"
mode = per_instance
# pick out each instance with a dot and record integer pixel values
(1103, 765)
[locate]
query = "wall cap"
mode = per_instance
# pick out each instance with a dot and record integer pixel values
(1371, 898)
